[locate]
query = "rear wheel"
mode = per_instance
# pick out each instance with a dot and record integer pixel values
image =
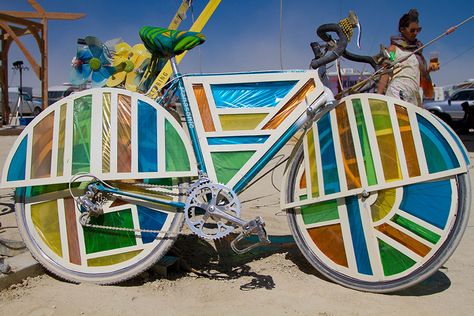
(48, 221)
(385, 241)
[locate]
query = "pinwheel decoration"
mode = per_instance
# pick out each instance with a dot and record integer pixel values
(94, 58)
(130, 64)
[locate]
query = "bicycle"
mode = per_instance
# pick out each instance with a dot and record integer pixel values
(376, 190)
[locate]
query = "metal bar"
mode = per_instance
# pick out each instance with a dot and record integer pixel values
(103, 188)
(188, 116)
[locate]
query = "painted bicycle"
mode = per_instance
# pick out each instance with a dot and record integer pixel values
(376, 190)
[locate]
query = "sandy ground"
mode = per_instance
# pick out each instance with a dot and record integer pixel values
(274, 281)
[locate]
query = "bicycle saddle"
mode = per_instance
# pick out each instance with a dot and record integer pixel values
(166, 43)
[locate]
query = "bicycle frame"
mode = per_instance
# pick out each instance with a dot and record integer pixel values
(303, 112)
(309, 101)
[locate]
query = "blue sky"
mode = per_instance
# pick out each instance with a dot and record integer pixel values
(245, 35)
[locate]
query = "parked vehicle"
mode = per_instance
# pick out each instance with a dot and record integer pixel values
(28, 106)
(56, 93)
(451, 110)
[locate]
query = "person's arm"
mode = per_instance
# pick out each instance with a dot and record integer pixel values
(384, 79)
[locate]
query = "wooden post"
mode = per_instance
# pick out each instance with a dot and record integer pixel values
(44, 64)
(10, 33)
(4, 79)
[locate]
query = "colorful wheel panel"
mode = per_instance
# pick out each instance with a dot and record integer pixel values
(386, 241)
(49, 223)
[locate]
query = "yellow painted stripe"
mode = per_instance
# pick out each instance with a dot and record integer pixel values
(46, 221)
(112, 259)
(241, 122)
(62, 139)
(166, 72)
(313, 171)
(179, 16)
(106, 132)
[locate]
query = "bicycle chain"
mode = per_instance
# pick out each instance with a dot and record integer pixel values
(135, 230)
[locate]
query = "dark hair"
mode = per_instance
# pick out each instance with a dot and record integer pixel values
(407, 18)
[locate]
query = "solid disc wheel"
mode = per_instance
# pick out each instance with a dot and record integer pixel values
(385, 240)
(48, 221)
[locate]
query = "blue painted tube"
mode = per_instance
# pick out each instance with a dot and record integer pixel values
(190, 123)
(237, 140)
(103, 188)
(270, 154)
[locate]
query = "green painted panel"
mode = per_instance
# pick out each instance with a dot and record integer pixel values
(100, 239)
(393, 261)
(176, 156)
(320, 212)
(416, 229)
(43, 189)
(364, 142)
(227, 164)
(81, 134)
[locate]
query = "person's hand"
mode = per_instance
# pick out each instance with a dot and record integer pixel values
(433, 67)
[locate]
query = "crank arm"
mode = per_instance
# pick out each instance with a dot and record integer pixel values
(255, 226)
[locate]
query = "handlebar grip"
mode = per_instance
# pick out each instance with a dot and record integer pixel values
(360, 58)
(322, 32)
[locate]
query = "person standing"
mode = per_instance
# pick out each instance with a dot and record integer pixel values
(412, 72)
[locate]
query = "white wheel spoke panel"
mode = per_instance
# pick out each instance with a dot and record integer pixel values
(379, 197)
(113, 134)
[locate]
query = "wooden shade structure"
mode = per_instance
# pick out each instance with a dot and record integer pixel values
(13, 25)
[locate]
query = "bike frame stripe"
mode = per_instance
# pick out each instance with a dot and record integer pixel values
(237, 140)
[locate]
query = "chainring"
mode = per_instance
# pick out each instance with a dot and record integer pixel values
(202, 198)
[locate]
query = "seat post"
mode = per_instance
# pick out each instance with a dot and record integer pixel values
(174, 66)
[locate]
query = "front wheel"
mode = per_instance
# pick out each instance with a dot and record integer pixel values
(383, 241)
(48, 221)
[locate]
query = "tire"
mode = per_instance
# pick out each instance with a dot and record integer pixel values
(48, 222)
(410, 271)
(443, 116)
(37, 111)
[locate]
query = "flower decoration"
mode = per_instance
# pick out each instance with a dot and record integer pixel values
(94, 58)
(130, 63)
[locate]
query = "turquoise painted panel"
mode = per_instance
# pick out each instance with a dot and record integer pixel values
(250, 95)
(17, 168)
(439, 155)
(237, 140)
(328, 156)
(147, 138)
(456, 139)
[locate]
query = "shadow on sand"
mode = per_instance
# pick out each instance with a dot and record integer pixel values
(216, 261)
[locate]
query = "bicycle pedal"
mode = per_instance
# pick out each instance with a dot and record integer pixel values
(253, 227)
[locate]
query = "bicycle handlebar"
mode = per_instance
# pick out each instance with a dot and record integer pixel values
(343, 29)
(322, 32)
(360, 58)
